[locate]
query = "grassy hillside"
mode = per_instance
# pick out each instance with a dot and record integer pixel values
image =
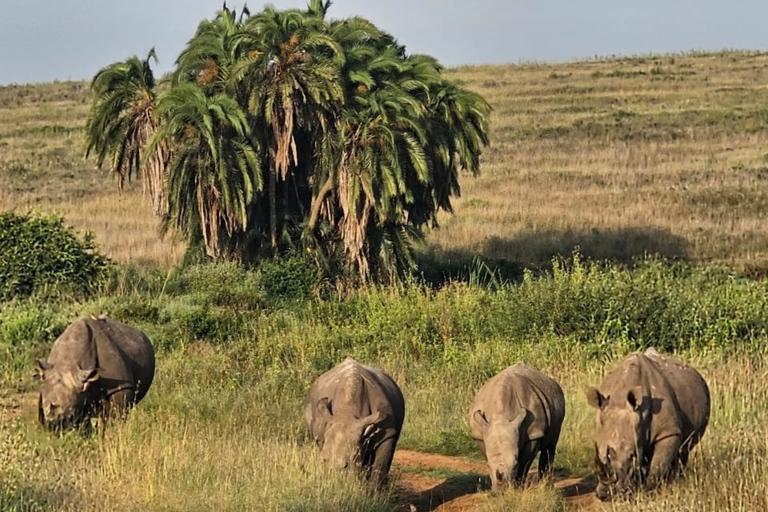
(621, 157)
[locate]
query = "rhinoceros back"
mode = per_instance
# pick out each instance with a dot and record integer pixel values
(690, 391)
(357, 389)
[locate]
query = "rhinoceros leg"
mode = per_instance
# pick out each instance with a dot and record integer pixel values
(546, 458)
(665, 457)
(525, 459)
(118, 404)
(383, 460)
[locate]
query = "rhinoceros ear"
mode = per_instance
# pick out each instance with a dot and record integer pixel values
(480, 418)
(595, 398)
(636, 398)
(87, 377)
(324, 408)
(517, 422)
(42, 366)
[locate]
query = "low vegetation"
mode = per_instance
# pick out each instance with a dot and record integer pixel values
(222, 425)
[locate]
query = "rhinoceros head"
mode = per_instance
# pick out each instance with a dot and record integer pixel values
(501, 437)
(346, 437)
(622, 439)
(63, 395)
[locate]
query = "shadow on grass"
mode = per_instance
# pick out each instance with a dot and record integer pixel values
(22, 496)
(505, 259)
(584, 487)
(622, 246)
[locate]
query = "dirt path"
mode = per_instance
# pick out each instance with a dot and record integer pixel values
(438, 483)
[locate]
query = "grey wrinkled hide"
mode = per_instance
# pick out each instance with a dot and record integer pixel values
(652, 410)
(355, 414)
(97, 367)
(516, 415)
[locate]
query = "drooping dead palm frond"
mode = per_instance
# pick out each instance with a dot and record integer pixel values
(214, 169)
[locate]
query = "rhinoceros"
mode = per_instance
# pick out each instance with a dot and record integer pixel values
(96, 368)
(652, 410)
(355, 414)
(516, 415)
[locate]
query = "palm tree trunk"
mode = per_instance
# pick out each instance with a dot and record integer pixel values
(318, 202)
(273, 208)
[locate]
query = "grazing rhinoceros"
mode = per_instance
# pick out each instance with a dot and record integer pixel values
(97, 367)
(517, 414)
(355, 413)
(652, 410)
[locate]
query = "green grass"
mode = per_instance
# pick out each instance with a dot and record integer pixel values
(223, 418)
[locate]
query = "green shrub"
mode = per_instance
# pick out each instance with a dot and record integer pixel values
(29, 325)
(292, 278)
(133, 309)
(41, 254)
(225, 284)
(197, 320)
(26, 332)
(135, 279)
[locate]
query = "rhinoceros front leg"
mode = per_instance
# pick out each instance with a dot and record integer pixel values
(665, 455)
(383, 459)
(546, 459)
(525, 459)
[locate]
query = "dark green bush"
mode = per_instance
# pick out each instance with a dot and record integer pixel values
(41, 254)
(291, 278)
(197, 320)
(133, 309)
(26, 333)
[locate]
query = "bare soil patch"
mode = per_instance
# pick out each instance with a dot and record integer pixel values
(439, 483)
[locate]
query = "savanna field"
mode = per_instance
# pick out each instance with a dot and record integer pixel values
(620, 205)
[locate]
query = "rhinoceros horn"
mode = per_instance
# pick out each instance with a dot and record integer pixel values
(371, 420)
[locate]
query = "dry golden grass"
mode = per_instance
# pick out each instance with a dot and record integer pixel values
(621, 157)
(43, 169)
(202, 443)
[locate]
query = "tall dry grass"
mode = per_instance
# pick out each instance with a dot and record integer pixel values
(207, 440)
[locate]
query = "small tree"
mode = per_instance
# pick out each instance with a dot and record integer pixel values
(286, 129)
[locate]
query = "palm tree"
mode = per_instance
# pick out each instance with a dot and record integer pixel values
(456, 127)
(212, 52)
(405, 134)
(121, 122)
(214, 170)
(359, 144)
(291, 73)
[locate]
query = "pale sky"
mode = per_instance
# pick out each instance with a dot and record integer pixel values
(43, 40)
